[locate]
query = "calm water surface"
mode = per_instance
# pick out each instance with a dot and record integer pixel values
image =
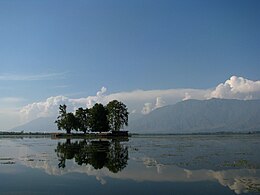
(212, 164)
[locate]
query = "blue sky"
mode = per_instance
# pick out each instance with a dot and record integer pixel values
(73, 48)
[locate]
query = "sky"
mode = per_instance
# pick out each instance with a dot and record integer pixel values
(147, 53)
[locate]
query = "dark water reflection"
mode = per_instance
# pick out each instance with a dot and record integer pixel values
(98, 153)
(141, 165)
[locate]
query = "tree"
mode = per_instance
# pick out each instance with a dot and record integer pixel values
(61, 118)
(66, 121)
(97, 118)
(82, 119)
(117, 115)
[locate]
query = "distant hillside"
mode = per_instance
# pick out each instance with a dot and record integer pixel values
(44, 124)
(193, 116)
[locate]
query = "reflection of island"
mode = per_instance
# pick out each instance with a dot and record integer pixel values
(99, 154)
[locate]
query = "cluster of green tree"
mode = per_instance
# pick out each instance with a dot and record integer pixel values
(99, 154)
(99, 118)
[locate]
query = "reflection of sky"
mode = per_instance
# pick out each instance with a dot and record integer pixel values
(40, 154)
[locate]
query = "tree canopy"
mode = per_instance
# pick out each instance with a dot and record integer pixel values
(66, 121)
(99, 118)
(82, 119)
(117, 115)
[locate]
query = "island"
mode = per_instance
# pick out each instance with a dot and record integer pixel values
(98, 121)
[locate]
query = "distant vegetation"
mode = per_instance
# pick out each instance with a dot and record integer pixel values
(99, 118)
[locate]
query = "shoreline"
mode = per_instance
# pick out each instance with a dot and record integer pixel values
(59, 135)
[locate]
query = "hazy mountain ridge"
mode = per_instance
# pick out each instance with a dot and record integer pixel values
(43, 124)
(192, 116)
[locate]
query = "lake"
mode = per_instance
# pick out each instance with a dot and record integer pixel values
(143, 164)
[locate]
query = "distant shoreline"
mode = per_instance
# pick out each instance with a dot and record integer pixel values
(90, 135)
(201, 133)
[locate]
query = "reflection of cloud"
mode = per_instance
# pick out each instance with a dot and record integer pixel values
(188, 172)
(239, 183)
(237, 180)
(149, 162)
(140, 169)
(102, 181)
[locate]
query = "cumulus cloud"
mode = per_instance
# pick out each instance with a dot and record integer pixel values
(159, 102)
(138, 101)
(50, 106)
(145, 101)
(43, 109)
(187, 96)
(148, 107)
(237, 88)
(101, 92)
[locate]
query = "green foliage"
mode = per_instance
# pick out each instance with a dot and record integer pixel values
(61, 118)
(97, 118)
(66, 121)
(117, 115)
(82, 119)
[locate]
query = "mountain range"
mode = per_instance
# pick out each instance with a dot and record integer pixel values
(193, 116)
(42, 124)
(190, 116)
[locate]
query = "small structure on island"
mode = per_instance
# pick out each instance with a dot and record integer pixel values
(120, 133)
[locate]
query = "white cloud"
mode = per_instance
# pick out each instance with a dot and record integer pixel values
(159, 102)
(237, 88)
(139, 101)
(34, 77)
(43, 109)
(187, 96)
(101, 92)
(144, 101)
(147, 108)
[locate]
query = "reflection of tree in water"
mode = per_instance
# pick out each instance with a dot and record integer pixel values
(66, 151)
(99, 154)
(117, 156)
